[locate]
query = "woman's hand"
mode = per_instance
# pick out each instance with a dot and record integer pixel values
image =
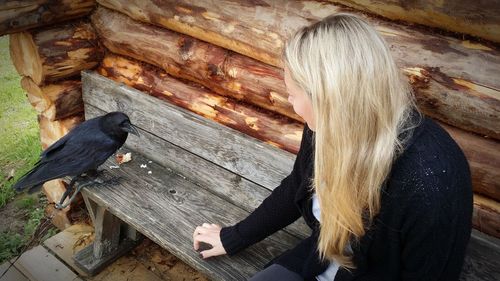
(210, 234)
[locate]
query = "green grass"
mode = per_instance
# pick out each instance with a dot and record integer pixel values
(19, 150)
(11, 243)
(19, 137)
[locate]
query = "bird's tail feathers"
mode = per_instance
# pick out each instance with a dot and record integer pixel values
(35, 188)
(28, 180)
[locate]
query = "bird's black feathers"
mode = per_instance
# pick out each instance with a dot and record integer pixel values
(84, 148)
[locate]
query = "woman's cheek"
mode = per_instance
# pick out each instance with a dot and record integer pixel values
(298, 109)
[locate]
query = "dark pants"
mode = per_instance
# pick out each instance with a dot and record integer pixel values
(276, 272)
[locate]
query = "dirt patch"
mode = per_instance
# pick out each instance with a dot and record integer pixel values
(23, 225)
(164, 264)
(13, 218)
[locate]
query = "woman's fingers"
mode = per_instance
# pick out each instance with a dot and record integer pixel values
(215, 251)
(198, 231)
(198, 234)
(210, 234)
(209, 238)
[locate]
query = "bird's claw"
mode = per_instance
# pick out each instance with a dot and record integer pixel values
(61, 206)
(98, 181)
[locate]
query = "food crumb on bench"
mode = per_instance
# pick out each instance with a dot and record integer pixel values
(123, 158)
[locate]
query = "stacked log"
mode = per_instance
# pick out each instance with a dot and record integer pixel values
(477, 18)
(233, 48)
(55, 53)
(50, 59)
(53, 190)
(51, 131)
(55, 101)
(16, 16)
(485, 215)
(483, 156)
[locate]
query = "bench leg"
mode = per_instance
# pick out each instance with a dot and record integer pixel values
(113, 238)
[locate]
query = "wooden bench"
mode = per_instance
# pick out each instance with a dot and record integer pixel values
(197, 171)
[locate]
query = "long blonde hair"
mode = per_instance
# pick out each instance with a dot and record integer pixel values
(361, 104)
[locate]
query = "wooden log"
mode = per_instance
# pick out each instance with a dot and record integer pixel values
(457, 102)
(60, 218)
(224, 72)
(266, 126)
(51, 131)
(464, 69)
(483, 156)
(486, 215)
(35, 95)
(477, 18)
(16, 16)
(55, 53)
(54, 190)
(55, 101)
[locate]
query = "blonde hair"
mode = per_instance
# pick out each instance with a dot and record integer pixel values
(361, 104)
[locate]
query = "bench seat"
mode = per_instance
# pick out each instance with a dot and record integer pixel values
(166, 207)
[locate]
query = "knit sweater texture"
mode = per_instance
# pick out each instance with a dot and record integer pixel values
(420, 233)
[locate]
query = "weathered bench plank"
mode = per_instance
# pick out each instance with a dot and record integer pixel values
(244, 155)
(482, 261)
(166, 208)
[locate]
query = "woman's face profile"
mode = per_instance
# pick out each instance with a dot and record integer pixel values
(300, 101)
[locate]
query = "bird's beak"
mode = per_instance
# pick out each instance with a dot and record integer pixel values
(131, 129)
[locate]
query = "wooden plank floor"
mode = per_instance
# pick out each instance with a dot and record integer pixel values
(66, 243)
(13, 274)
(38, 264)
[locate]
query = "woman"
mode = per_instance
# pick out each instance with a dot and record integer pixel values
(386, 191)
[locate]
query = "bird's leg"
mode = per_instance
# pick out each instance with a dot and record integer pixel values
(93, 174)
(80, 186)
(68, 191)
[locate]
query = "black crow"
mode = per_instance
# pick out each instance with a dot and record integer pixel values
(79, 152)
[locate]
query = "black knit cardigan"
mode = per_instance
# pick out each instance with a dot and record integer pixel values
(420, 233)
